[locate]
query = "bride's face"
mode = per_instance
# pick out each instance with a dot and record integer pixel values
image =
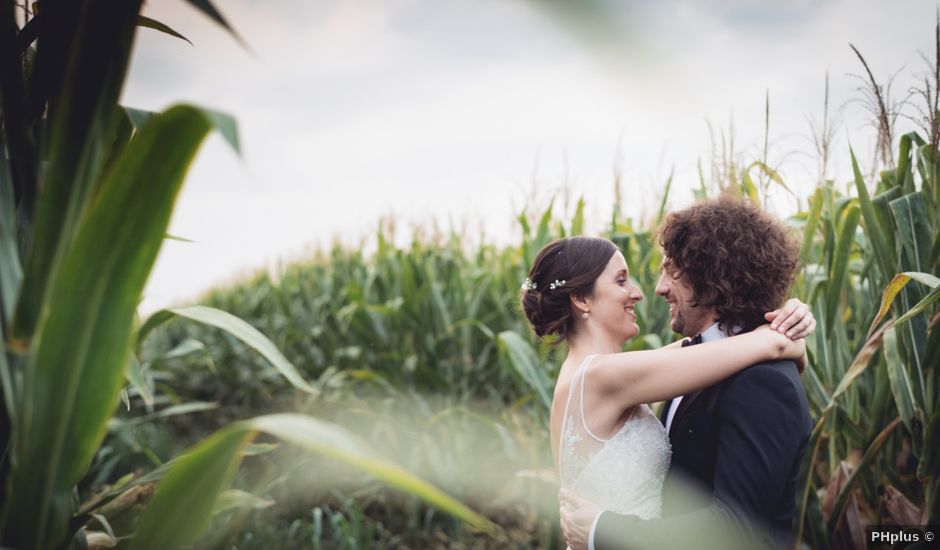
(611, 306)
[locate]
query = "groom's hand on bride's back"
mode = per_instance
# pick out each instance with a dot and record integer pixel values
(794, 319)
(577, 518)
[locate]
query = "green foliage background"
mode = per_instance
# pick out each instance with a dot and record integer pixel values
(439, 318)
(414, 398)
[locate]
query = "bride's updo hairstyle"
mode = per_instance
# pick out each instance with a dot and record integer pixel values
(575, 263)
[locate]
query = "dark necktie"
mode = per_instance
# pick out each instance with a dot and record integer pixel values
(693, 341)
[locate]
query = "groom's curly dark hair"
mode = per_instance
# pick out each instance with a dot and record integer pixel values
(736, 257)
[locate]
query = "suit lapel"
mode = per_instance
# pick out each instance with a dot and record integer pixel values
(686, 400)
(683, 408)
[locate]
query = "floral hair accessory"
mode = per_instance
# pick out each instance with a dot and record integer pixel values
(557, 284)
(528, 284)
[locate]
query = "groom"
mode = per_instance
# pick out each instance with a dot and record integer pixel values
(740, 441)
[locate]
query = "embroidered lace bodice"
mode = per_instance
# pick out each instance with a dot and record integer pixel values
(623, 474)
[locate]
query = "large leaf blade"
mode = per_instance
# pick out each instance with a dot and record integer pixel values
(894, 288)
(206, 7)
(524, 361)
(910, 214)
(859, 365)
(84, 80)
(11, 270)
(812, 224)
(837, 276)
(876, 230)
(899, 379)
(143, 21)
(871, 453)
(182, 505)
(919, 307)
(186, 496)
(247, 334)
(82, 344)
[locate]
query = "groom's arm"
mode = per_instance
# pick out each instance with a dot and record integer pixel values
(759, 433)
(715, 527)
(762, 428)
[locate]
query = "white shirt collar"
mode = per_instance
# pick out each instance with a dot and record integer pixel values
(713, 333)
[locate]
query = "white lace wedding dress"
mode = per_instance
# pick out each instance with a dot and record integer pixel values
(623, 474)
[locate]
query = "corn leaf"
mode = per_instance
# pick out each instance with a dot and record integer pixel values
(80, 121)
(188, 493)
(837, 276)
(77, 360)
(661, 213)
(577, 222)
(138, 117)
(143, 21)
(11, 270)
(520, 355)
(900, 381)
(894, 287)
(206, 7)
(137, 380)
(930, 459)
(875, 229)
(234, 499)
(838, 509)
(910, 214)
(919, 307)
(859, 365)
(773, 175)
(247, 334)
(812, 225)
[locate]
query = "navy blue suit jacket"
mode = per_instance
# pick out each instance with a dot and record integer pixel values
(741, 441)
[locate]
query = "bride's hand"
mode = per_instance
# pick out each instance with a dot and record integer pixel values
(787, 348)
(795, 319)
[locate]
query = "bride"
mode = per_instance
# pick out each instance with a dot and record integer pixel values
(607, 444)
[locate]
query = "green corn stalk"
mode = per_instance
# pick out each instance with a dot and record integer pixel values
(78, 239)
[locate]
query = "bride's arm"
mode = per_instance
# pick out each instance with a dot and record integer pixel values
(636, 377)
(675, 345)
(793, 318)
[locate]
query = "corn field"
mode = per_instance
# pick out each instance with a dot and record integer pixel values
(436, 319)
(394, 399)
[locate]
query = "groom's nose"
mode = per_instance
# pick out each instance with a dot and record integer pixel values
(662, 286)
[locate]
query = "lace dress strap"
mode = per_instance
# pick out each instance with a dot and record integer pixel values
(577, 440)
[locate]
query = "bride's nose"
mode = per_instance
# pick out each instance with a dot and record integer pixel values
(635, 293)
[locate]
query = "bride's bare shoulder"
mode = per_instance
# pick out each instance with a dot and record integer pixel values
(565, 375)
(562, 386)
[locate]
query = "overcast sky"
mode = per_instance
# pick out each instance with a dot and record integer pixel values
(457, 111)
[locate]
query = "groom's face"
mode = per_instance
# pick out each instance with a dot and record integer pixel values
(687, 320)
